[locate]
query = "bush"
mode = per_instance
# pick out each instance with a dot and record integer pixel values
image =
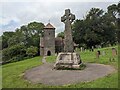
(16, 51)
(32, 51)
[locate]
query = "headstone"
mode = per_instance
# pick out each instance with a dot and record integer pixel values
(98, 54)
(114, 52)
(109, 45)
(68, 58)
(81, 49)
(103, 53)
(92, 48)
(100, 46)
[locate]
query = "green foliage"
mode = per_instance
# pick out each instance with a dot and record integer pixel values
(16, 52)
(27, 34)
(32, 51)
(15, 44)
(113, 9)
(61, 34)
(97, 28)
(5, 38)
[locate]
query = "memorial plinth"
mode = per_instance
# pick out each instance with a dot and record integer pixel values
(67, 60)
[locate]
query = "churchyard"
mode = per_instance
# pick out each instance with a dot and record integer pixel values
(84, 55)
(13, 73)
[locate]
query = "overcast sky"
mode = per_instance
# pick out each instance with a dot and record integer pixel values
(15, 14)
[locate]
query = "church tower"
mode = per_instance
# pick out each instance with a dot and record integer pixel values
(47, 42)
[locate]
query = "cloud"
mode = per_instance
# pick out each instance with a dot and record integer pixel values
(10, 26)
(15, 14)
(48, 1)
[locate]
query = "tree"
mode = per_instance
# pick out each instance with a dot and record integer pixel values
(61, 34)
(118, 21)
(113, 9)
(97, 28)
(35, 30)
(5, 38)
(16, 43)
(88, 32)
(78, 29)
(109, 27)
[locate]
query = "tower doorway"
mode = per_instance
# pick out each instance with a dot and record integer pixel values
(48, 53)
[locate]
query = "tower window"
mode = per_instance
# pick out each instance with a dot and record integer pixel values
(49, 33)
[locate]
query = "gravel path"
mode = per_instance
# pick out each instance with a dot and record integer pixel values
(46, 75)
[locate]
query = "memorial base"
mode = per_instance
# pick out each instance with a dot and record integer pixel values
(67, 60)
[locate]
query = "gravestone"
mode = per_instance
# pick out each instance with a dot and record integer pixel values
(92, 48)
(98, 54)
(114, 53)
(81, 49)
(103, 53)
(68, 58)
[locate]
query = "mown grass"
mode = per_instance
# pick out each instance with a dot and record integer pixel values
(103, 59)
(51, 59)
(13, 72)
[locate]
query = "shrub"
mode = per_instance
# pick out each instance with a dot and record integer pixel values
(16, 51)
(32, 51)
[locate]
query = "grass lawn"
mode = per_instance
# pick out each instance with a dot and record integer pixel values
(13, 72)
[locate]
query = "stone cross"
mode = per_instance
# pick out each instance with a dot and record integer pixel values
(68, 19)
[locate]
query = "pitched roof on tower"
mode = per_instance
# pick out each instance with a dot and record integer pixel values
(49, 26)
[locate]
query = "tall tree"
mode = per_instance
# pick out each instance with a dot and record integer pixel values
(61, 34)
(97, 28)
(5, 38)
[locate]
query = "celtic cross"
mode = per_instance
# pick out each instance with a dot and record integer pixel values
(68, 19)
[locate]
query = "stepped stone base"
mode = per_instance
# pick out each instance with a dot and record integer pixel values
(67, 60)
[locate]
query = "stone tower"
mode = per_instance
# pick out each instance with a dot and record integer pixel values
(47, 42)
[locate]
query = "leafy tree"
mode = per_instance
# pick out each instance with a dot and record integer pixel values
(61, 34)
(5, 38)
(97, 28)
(35, 30)
(109, 27)
(17, 42)
(78, 32)
(113, 9)
(88, 31)
(118, 22)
